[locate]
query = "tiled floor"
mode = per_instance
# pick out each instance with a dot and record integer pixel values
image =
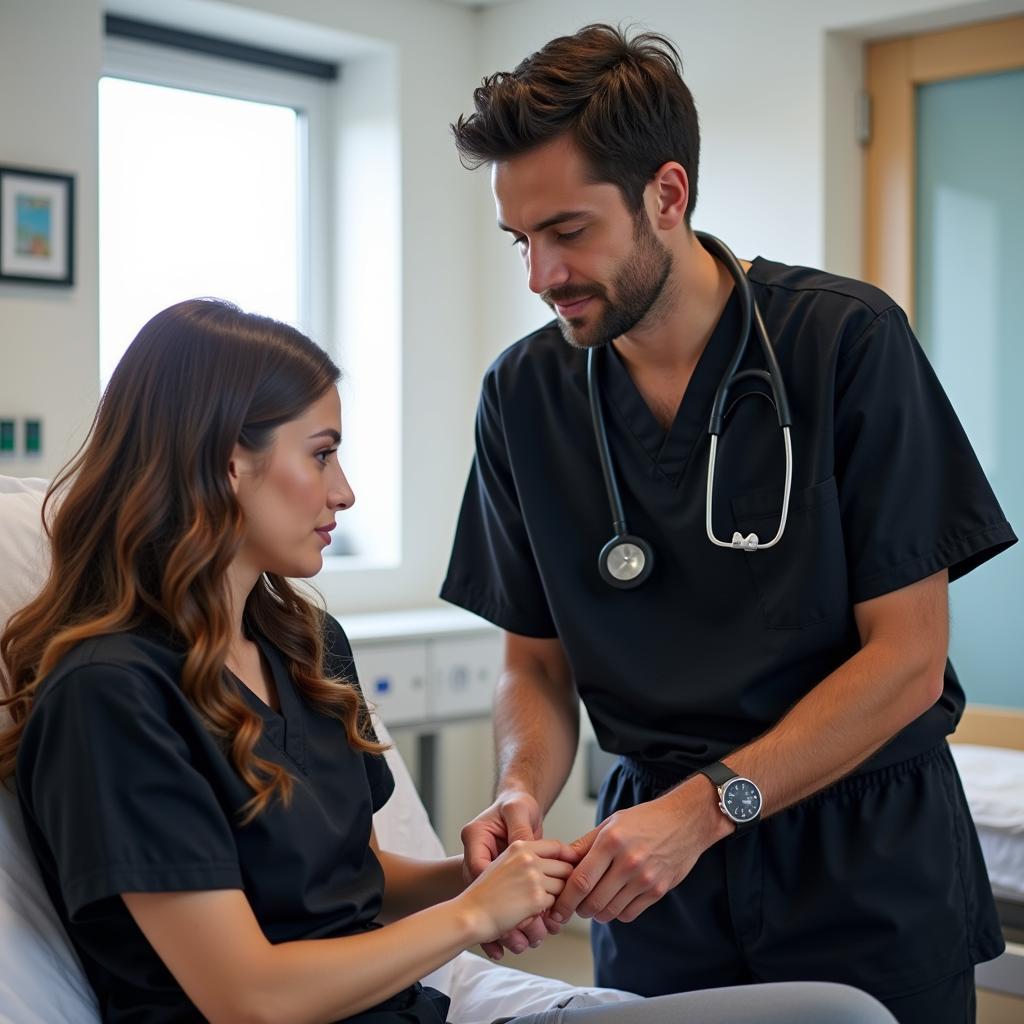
(994, 1008)
(567, 956)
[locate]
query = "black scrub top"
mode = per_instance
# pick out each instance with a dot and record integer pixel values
(123, 789)
(718, 644)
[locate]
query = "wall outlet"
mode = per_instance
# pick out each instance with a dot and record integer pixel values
(8, 444)
(393, 679)
(33, 437)
(463, 674)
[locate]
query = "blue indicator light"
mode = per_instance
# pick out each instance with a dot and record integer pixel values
(382, 685)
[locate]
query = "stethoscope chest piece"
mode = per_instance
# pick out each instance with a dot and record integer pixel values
(626, 561)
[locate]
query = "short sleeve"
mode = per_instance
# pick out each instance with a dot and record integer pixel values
(340, 663)
(492, 570)
(382, 782)
(110, 785)
(913, 495)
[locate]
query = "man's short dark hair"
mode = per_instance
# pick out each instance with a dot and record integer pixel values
(622, 101)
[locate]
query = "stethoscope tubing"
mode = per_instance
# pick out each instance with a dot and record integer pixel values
(750, 316)
(751, 541)
(611, 484)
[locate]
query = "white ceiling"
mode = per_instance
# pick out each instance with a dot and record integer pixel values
(478, 3)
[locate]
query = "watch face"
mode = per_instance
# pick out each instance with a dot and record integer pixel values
(741, 800)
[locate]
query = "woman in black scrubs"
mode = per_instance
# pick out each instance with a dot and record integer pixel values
(191, 752)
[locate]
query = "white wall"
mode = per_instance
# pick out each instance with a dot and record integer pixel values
(49, 350)
(775, 86)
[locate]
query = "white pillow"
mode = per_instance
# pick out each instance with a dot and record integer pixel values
(24, 551)
(41, 979)
(19, 484)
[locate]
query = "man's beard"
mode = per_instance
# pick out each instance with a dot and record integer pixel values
(637, 286)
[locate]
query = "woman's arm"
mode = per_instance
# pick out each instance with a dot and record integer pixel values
(213, 945)
(411, 884)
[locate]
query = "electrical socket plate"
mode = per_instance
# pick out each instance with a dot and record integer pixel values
(393, 678)
(463, 674)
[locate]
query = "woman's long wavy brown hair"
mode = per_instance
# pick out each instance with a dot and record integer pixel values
(147, 525)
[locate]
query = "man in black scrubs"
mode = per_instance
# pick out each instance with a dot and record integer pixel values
(815, 669)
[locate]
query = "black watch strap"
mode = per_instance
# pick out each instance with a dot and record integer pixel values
(719, 773)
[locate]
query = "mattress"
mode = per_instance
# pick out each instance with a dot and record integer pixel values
(993, 779)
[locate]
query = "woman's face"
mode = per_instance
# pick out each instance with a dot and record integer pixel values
(292, 493)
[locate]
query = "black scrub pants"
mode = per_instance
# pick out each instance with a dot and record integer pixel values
(877, 882)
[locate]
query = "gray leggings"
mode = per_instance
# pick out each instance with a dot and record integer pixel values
(789, 1002)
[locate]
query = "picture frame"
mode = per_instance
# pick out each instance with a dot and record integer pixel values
(37, 220)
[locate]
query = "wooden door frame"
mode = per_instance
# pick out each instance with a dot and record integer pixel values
(893, 70)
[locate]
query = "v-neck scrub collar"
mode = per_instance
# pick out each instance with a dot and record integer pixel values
(669, 451)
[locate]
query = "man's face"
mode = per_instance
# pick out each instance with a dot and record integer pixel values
(596, 264)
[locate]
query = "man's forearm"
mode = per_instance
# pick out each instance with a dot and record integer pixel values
(837, 726)
(895, 677)
(536, 732)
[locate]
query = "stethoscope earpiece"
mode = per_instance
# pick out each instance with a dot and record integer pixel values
(625, 561)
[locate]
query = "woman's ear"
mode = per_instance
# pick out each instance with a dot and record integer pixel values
(241, 465)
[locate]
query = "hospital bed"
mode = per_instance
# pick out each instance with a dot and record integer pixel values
(989, 752)
(41, 980)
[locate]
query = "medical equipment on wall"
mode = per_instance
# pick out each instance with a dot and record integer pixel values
(626, 560)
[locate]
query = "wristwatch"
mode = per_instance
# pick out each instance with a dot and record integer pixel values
(738, 798)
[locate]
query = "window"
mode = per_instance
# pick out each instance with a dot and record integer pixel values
(209, 168)
(216, 179)
(199, 195)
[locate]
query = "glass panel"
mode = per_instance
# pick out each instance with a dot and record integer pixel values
(970, 290)
(198, 196)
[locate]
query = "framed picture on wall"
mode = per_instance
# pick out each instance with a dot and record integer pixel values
(37, 214)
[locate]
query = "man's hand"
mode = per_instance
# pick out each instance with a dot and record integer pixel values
(514, 815)
(637, 855)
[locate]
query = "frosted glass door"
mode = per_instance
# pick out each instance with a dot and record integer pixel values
(970, 318)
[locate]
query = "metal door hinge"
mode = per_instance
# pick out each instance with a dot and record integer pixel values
(863, 120)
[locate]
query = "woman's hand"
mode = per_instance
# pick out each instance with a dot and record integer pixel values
(521, 883)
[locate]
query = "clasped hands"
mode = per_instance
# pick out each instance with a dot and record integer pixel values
(618, 869)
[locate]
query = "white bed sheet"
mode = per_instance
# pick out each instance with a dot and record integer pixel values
(993, 779)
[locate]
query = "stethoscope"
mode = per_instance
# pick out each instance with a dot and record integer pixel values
(627, 560)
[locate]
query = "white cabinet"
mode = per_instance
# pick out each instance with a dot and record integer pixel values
(463, 672)
(429, 667)
(394, 680)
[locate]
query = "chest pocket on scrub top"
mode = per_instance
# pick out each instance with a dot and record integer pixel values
(802, 580)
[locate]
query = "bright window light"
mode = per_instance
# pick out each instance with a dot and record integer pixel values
(221, 178)
(199, 196)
